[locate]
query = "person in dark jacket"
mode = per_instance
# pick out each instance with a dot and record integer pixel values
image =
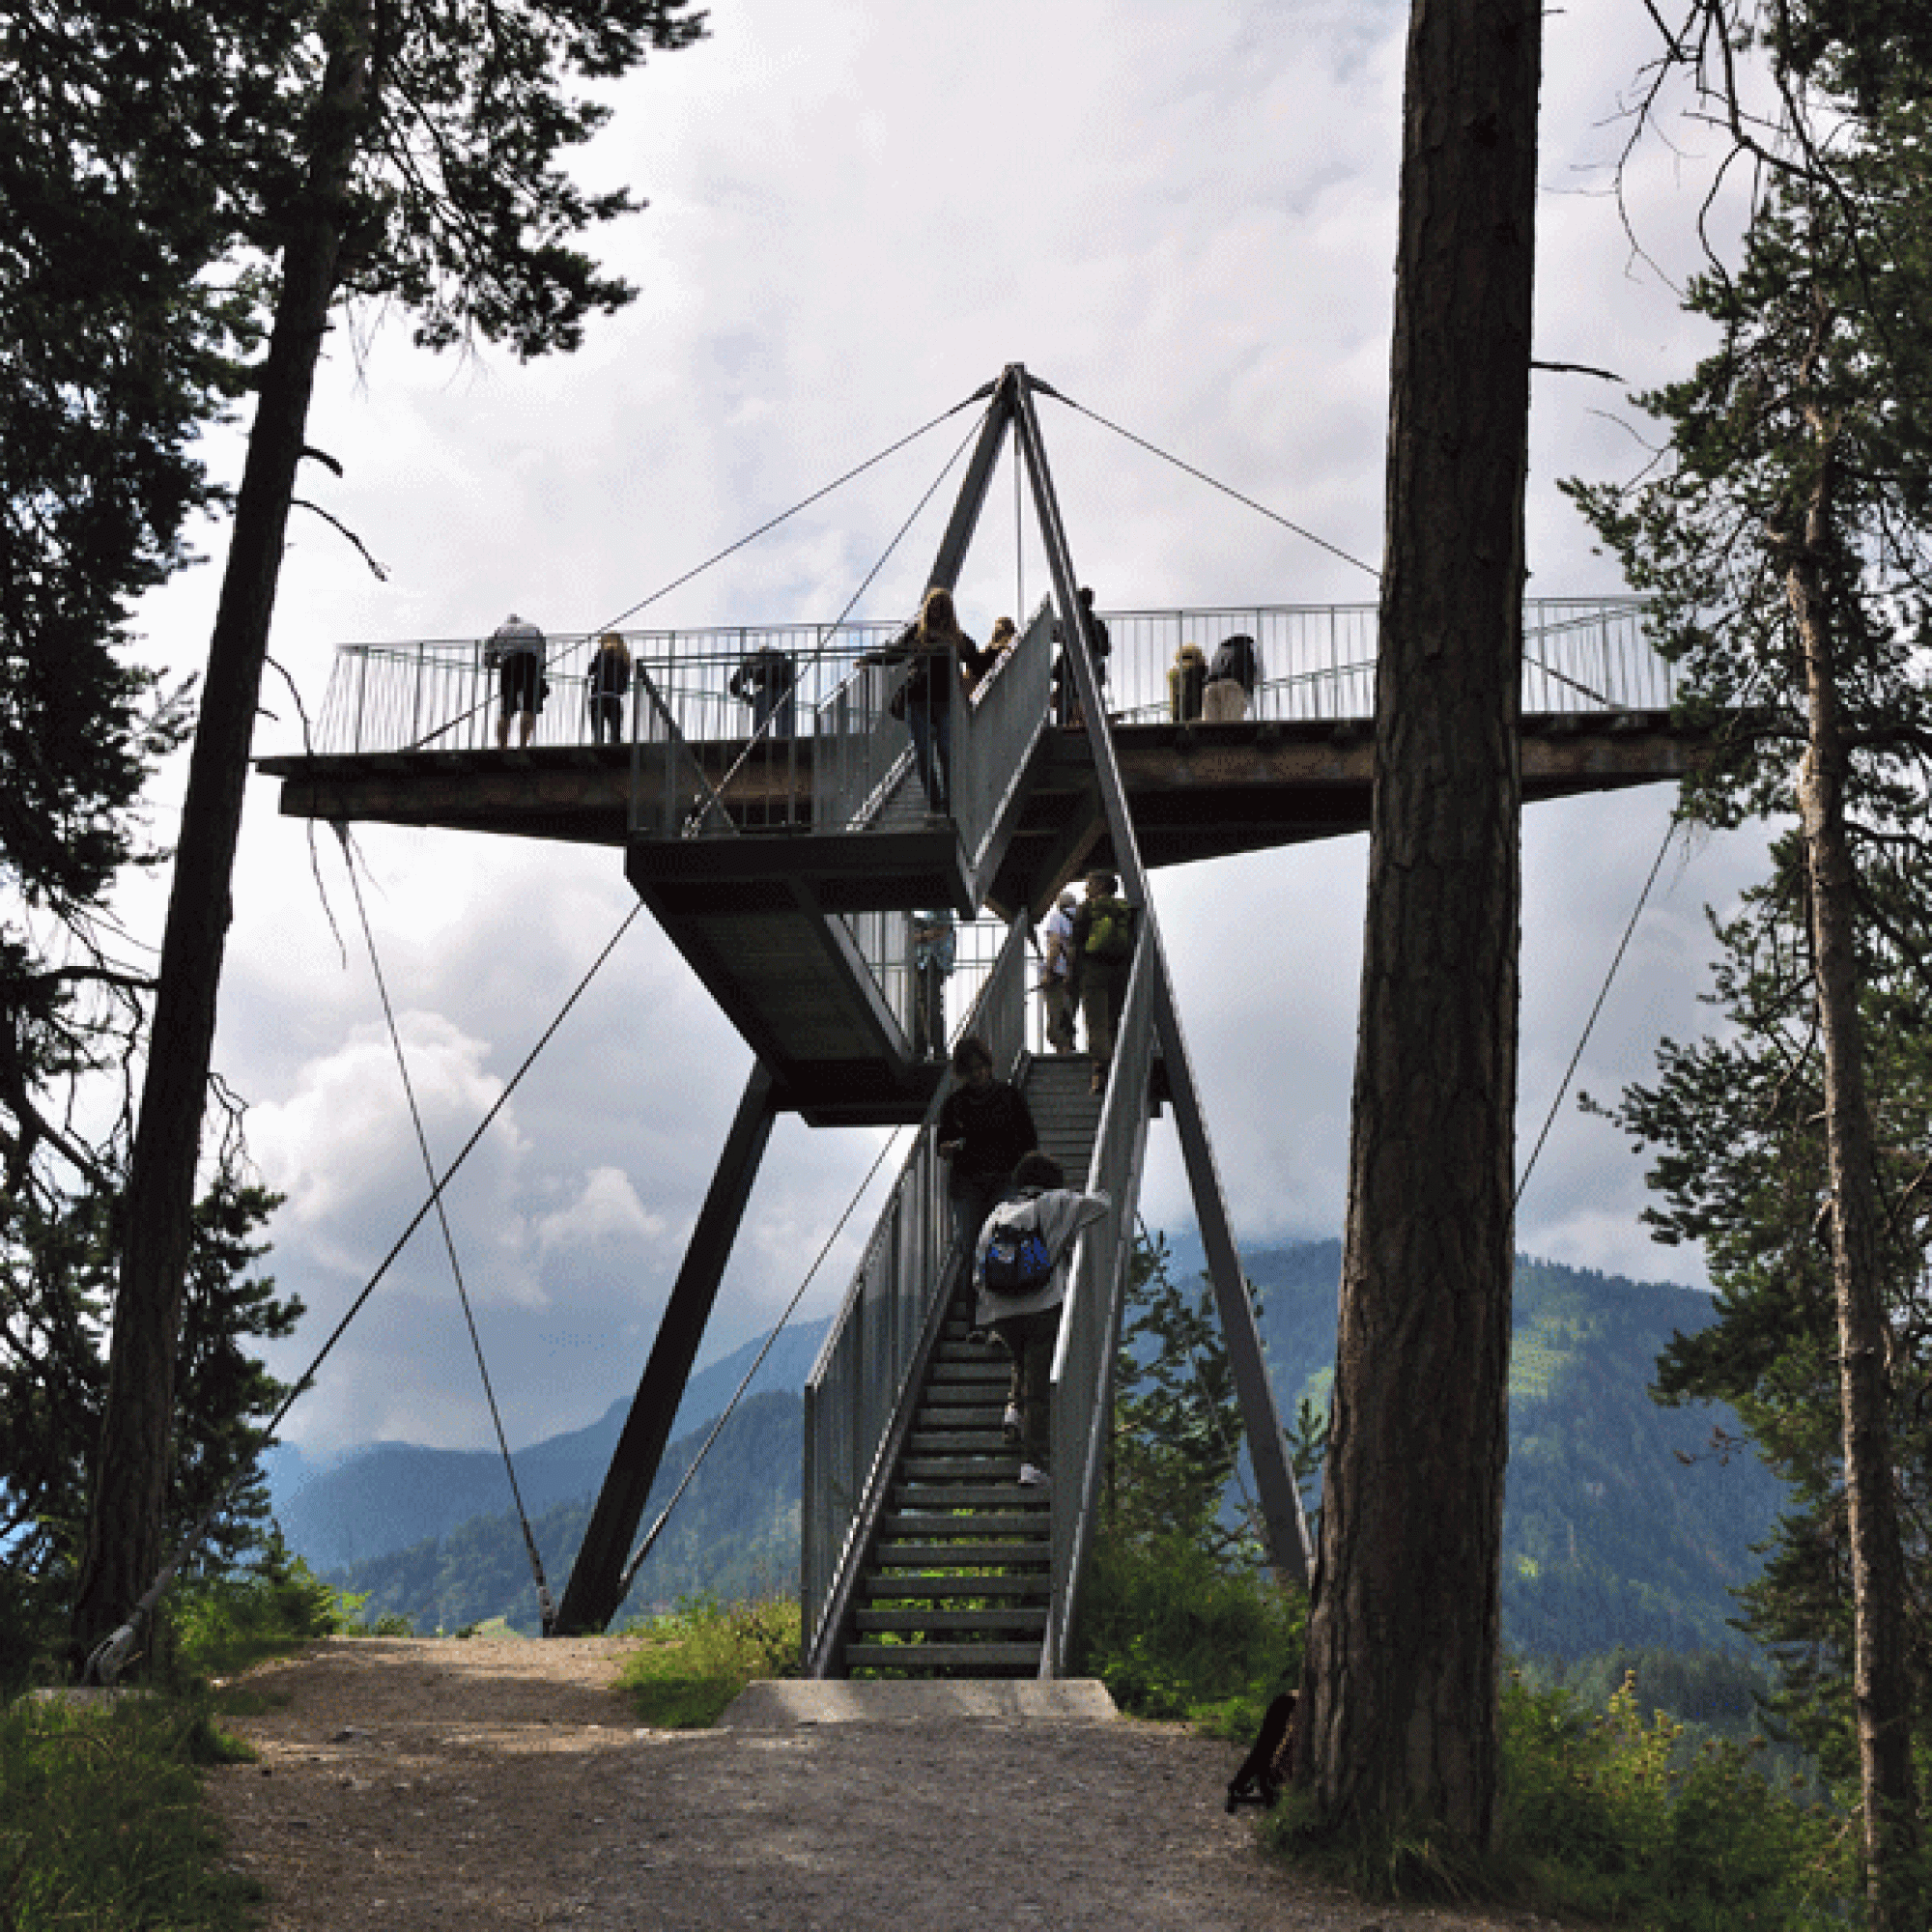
(939, 651)
(984, 1128)
(609, 680)
(1065, 693)
(767, 681)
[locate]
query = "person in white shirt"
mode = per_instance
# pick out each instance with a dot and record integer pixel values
(1056, 969)
(516, 652)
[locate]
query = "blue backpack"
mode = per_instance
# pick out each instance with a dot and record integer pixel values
(1018, 1260)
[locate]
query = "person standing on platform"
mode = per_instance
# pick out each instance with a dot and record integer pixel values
(516, 652)
(767, 681)
(984, 1128)
(1231, 678)
(986, 662)
(1103, 946)
(1056, 972)
(1186, 679)
(938, 649)
(934, 946)
(1034, 1225)
(1065, 693)
(609, 681)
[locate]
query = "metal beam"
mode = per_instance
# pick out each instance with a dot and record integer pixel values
(972, 499)
(595, 1590)
(1274, 1478)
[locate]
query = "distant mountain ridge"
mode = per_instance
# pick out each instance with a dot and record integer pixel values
(1620, 1527)
(388, 1496)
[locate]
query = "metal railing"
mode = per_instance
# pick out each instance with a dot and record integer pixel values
(1090, 1321)
(864, 1371)
(440, 695)
(1316, 663)
(995, 734)
(1091, 1318)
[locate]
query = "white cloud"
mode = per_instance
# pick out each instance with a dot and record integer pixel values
(1184, 219)
(606, 1212)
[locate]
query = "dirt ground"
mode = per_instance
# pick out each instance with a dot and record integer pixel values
(483, 1784)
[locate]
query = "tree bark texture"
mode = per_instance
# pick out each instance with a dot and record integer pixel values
(126, 1498)
(1399, 1725)
(1881, 1685)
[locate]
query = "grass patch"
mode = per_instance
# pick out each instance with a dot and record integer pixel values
(102, 1820)
(694, 1662)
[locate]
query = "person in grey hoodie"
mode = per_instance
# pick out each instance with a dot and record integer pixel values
(1027, 1324)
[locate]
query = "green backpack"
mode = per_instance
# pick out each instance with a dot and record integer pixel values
(1109, 929)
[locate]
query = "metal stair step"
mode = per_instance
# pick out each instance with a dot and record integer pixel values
(1000, 1465)
(1019, 1619)
(959, 1441)
(981, 1373)
(965, 1395)
(931, 1497)
(923, 1525)
(932, 1659)
(967, 1556)
(896, 1588)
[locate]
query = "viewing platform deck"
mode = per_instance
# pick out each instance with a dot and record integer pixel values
(407, 737)
(785, 850)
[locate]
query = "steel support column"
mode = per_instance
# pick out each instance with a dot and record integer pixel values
(595, 1590)
(1274, 1478)
(972, 498)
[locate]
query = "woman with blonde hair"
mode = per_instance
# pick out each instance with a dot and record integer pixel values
(609, 680)
(1005, 636)
(937, 648)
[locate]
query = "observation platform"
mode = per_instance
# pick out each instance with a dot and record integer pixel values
(1198, 791)
(784, 848)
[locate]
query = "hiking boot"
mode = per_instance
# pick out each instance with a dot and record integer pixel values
(1033, 1479)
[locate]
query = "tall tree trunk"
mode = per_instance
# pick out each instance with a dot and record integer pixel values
(1881, 1688)
(1400, 1690)
(130, 1479)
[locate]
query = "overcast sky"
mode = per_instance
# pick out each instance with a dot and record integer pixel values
(1181, 217)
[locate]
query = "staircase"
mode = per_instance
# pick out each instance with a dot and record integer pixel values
(957, 1580)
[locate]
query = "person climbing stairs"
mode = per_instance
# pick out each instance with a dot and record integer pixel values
(957, 1579)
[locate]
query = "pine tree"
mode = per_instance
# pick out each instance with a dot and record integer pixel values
(418, 165)
(1785, 542)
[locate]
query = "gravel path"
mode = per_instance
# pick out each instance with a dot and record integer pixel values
(483, 1784)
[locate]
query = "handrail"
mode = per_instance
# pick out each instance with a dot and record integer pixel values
(864, 1379)
(1316, 663)
(994, 739)
(1090, 1321)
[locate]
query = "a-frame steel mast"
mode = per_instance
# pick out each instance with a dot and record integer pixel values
(601, 1574)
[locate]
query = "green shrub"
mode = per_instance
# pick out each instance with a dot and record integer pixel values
(219, 1625)
(694, 1662)
(1620, 1818)
(101, 1822)
(1172, 1634)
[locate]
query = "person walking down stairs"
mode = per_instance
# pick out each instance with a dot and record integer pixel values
(1020, 1269)
(984, 1128)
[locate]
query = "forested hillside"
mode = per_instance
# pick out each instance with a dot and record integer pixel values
(1622, 1527)
(735, 1534)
